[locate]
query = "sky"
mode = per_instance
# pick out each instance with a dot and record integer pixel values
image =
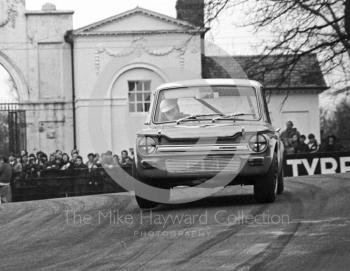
(90, 11)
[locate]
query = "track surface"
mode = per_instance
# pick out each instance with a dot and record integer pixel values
(307, 228)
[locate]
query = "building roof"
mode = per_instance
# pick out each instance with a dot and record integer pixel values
(275, 72)
(92, 27)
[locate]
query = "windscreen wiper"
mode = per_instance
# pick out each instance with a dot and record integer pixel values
(195, 117)
(231, 116)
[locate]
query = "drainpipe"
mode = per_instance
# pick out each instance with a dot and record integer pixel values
(69, 39)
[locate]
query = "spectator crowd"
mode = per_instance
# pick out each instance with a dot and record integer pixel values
(294, 142)
(25, 166)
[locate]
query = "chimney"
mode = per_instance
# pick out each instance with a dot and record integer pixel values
(191, 11)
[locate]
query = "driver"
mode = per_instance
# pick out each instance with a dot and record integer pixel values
(170, 111)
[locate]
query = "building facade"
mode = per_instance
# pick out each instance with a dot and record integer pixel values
(118, 62)
(34, 52)
(91, 87)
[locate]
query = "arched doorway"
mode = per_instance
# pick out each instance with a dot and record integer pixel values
(131, 99)
(12, 118)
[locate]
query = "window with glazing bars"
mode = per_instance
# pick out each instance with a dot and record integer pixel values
(139, 95)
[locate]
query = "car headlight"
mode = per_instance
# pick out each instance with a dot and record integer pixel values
(146, 145)
(258, 143)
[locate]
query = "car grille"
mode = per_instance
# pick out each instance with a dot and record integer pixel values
(208, 164)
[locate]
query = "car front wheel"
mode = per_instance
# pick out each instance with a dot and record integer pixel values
(265, 189)
(146, 203)
(280, 184)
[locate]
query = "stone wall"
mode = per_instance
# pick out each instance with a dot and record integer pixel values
(34, 51)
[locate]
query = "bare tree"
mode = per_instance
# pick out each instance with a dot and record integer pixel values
(299, 28)
(337, 122)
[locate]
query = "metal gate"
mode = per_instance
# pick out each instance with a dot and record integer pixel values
(13, 137)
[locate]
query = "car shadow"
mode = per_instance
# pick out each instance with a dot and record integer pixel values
(211, 202)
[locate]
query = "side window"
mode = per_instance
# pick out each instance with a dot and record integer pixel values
(139, 95)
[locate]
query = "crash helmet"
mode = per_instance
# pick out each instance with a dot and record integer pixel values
(168, 105)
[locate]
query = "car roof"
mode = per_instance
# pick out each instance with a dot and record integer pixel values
(206, 82)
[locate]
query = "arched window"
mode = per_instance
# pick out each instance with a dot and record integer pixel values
(8, 88)
(12, 119)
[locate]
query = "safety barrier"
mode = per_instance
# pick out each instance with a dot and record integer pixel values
(58, 183)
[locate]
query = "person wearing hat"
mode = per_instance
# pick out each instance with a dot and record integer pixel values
(170, 111)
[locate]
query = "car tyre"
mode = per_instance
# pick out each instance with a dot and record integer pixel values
(265, 189)
(280, 183)
(142, 202)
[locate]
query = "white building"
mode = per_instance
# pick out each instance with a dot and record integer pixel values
(33, 50)
(118, 61)
(110, 67)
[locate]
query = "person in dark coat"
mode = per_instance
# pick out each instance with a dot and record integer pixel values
(292, 145)
(79, 163)
(331, 145)
(5, 179)
(295, 143)
(125, 161)
(287, 135)
(302, 147)
(31, 168)
(80, 184)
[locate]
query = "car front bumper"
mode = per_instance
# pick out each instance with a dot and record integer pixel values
(200, 166)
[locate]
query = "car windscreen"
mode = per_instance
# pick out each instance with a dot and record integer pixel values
(207, 102)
